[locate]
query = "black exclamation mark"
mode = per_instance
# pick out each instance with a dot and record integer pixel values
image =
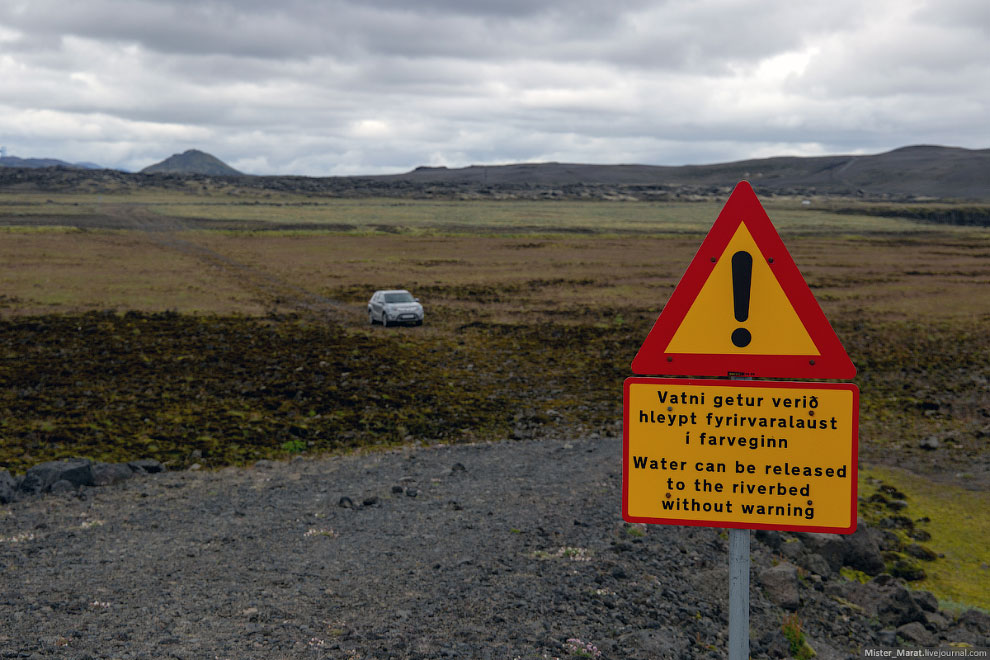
(742, 279)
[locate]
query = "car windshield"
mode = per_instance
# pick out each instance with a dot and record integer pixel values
(400, 297)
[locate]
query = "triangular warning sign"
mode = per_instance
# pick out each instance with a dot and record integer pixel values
(743, 308)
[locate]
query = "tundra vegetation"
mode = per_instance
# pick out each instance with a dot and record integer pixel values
(222, 327)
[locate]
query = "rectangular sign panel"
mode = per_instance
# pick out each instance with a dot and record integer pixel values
(743, 454)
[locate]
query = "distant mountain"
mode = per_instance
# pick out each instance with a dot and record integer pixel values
(917, 171)
(192, 162)
(14, 161)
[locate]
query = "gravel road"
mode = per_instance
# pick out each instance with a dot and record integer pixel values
(504, 550)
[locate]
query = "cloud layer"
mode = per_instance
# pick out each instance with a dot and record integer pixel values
(371, 86)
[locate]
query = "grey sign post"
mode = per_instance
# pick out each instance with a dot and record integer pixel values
(738, 594)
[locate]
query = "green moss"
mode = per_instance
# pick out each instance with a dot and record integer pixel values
(230, 390)
(853, 575)
(798, 644)
(959, 529)
(293, 446)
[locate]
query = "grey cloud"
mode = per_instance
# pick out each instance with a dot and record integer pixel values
(349, 86)
(929, 61)
(970, 15)
(653, 35)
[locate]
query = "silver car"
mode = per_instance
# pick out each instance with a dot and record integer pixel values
(394, 306)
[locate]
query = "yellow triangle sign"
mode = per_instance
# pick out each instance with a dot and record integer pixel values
(772, 323)
(743, 308)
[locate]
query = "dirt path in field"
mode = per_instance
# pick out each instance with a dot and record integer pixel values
(280, 295)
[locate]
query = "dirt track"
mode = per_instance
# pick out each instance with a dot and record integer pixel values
(163, 231)
(284, 296)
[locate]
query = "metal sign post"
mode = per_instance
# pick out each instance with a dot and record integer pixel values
(738, 594)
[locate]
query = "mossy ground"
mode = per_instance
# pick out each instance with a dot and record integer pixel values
(955, 515)
(227, 390)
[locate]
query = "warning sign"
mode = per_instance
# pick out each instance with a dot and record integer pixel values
(743, 308)
(744, 454)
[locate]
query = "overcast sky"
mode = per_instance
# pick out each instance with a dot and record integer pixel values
(325, 87)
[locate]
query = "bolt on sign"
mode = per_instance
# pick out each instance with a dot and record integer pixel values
(744, 454)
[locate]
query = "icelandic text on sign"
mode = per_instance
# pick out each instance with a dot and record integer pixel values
(756, 455)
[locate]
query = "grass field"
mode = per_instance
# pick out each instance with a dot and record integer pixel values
(955, 517)
(790, 216)
(221, 329)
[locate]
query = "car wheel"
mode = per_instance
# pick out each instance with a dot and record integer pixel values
(419, 322)
(371, 317)
(384, 319)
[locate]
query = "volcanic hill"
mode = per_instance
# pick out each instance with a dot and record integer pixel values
(192, 161)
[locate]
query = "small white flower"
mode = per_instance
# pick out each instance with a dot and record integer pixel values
(565, 552)
(313, 531)
(575, 646)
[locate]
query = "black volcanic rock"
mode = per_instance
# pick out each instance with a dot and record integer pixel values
(35, 163)
(8, 487)
(192, 161)
(41, 477)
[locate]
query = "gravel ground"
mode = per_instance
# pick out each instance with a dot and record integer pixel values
(504, 550)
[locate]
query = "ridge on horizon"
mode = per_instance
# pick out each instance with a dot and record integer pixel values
(911, 151)
(448, 168)
(916, 171)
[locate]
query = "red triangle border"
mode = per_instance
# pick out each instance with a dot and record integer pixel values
(744, 207)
